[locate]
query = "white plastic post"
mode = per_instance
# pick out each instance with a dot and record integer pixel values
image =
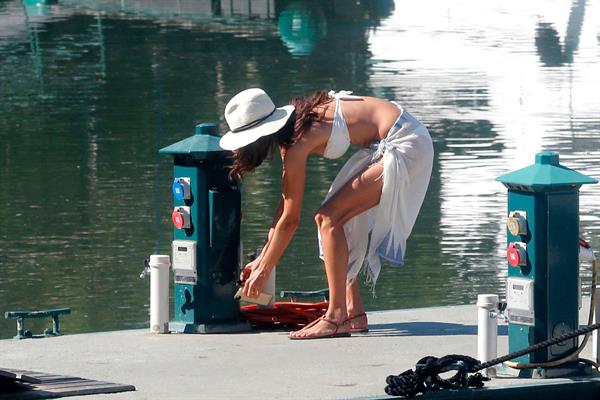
(487, 330)
(595, 336)
(159, 293)
(270, 289)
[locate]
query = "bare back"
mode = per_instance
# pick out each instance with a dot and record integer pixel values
(368, 119)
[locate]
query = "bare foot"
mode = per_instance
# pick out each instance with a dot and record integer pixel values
(322, 328)
(359, 323)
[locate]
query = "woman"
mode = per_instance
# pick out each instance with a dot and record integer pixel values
(372, 204)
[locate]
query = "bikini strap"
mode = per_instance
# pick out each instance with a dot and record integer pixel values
(342, 94)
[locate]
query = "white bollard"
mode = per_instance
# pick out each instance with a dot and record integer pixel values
(487, 330)
(270, 290)
(159, 293)
(595, 336)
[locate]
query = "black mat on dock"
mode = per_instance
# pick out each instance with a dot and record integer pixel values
(20, 384)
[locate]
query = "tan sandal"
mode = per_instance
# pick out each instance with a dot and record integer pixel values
(358, 330)
(327, 336)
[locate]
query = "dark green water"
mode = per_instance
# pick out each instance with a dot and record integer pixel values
(89, 91)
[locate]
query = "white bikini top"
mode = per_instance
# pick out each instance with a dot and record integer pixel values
(339, 139)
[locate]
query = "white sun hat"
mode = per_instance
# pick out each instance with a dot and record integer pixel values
(251, 114)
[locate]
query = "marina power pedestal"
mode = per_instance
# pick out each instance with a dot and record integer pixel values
(543, 259)
(206, 231)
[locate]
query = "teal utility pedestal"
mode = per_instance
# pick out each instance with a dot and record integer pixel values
(206, 231)
(543, 258)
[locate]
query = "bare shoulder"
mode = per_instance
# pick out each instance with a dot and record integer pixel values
(312, 141)
(295, 154)
(378, 103)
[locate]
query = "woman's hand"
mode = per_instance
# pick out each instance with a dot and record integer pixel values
(254, 278)
(245, 274)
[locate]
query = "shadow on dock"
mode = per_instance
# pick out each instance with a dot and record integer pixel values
(426, 329)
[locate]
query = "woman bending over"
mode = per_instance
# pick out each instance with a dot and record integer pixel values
(373, 202)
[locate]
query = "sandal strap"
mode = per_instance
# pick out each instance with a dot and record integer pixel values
(316, 321)
(356, 316)
(313, 323)
(337, 326)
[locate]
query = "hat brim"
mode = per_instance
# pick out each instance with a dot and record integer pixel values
(276, 121)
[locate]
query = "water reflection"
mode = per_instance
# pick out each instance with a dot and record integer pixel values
(547, 39)
(301, 27)
(493, 109)
(90, 90)
(92, 96)
(39, 8)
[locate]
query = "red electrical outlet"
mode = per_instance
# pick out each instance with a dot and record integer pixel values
(181, 217)
(517, 254)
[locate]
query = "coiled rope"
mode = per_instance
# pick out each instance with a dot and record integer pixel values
(426, 376)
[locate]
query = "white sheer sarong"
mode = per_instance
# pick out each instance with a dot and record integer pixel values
(381, 231)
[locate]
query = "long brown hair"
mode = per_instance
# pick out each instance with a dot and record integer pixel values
(305, 114)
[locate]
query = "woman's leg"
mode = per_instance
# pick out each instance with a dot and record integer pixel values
(355, 307)
(359, 194)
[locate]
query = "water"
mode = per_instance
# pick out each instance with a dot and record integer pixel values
(89, 91)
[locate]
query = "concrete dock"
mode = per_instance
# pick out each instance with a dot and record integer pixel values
(259, 365)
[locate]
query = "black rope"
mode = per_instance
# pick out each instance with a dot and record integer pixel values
(425, 376)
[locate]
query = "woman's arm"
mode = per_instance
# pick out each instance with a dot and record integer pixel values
(278, 213)
(253, 264)
(292, 188)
